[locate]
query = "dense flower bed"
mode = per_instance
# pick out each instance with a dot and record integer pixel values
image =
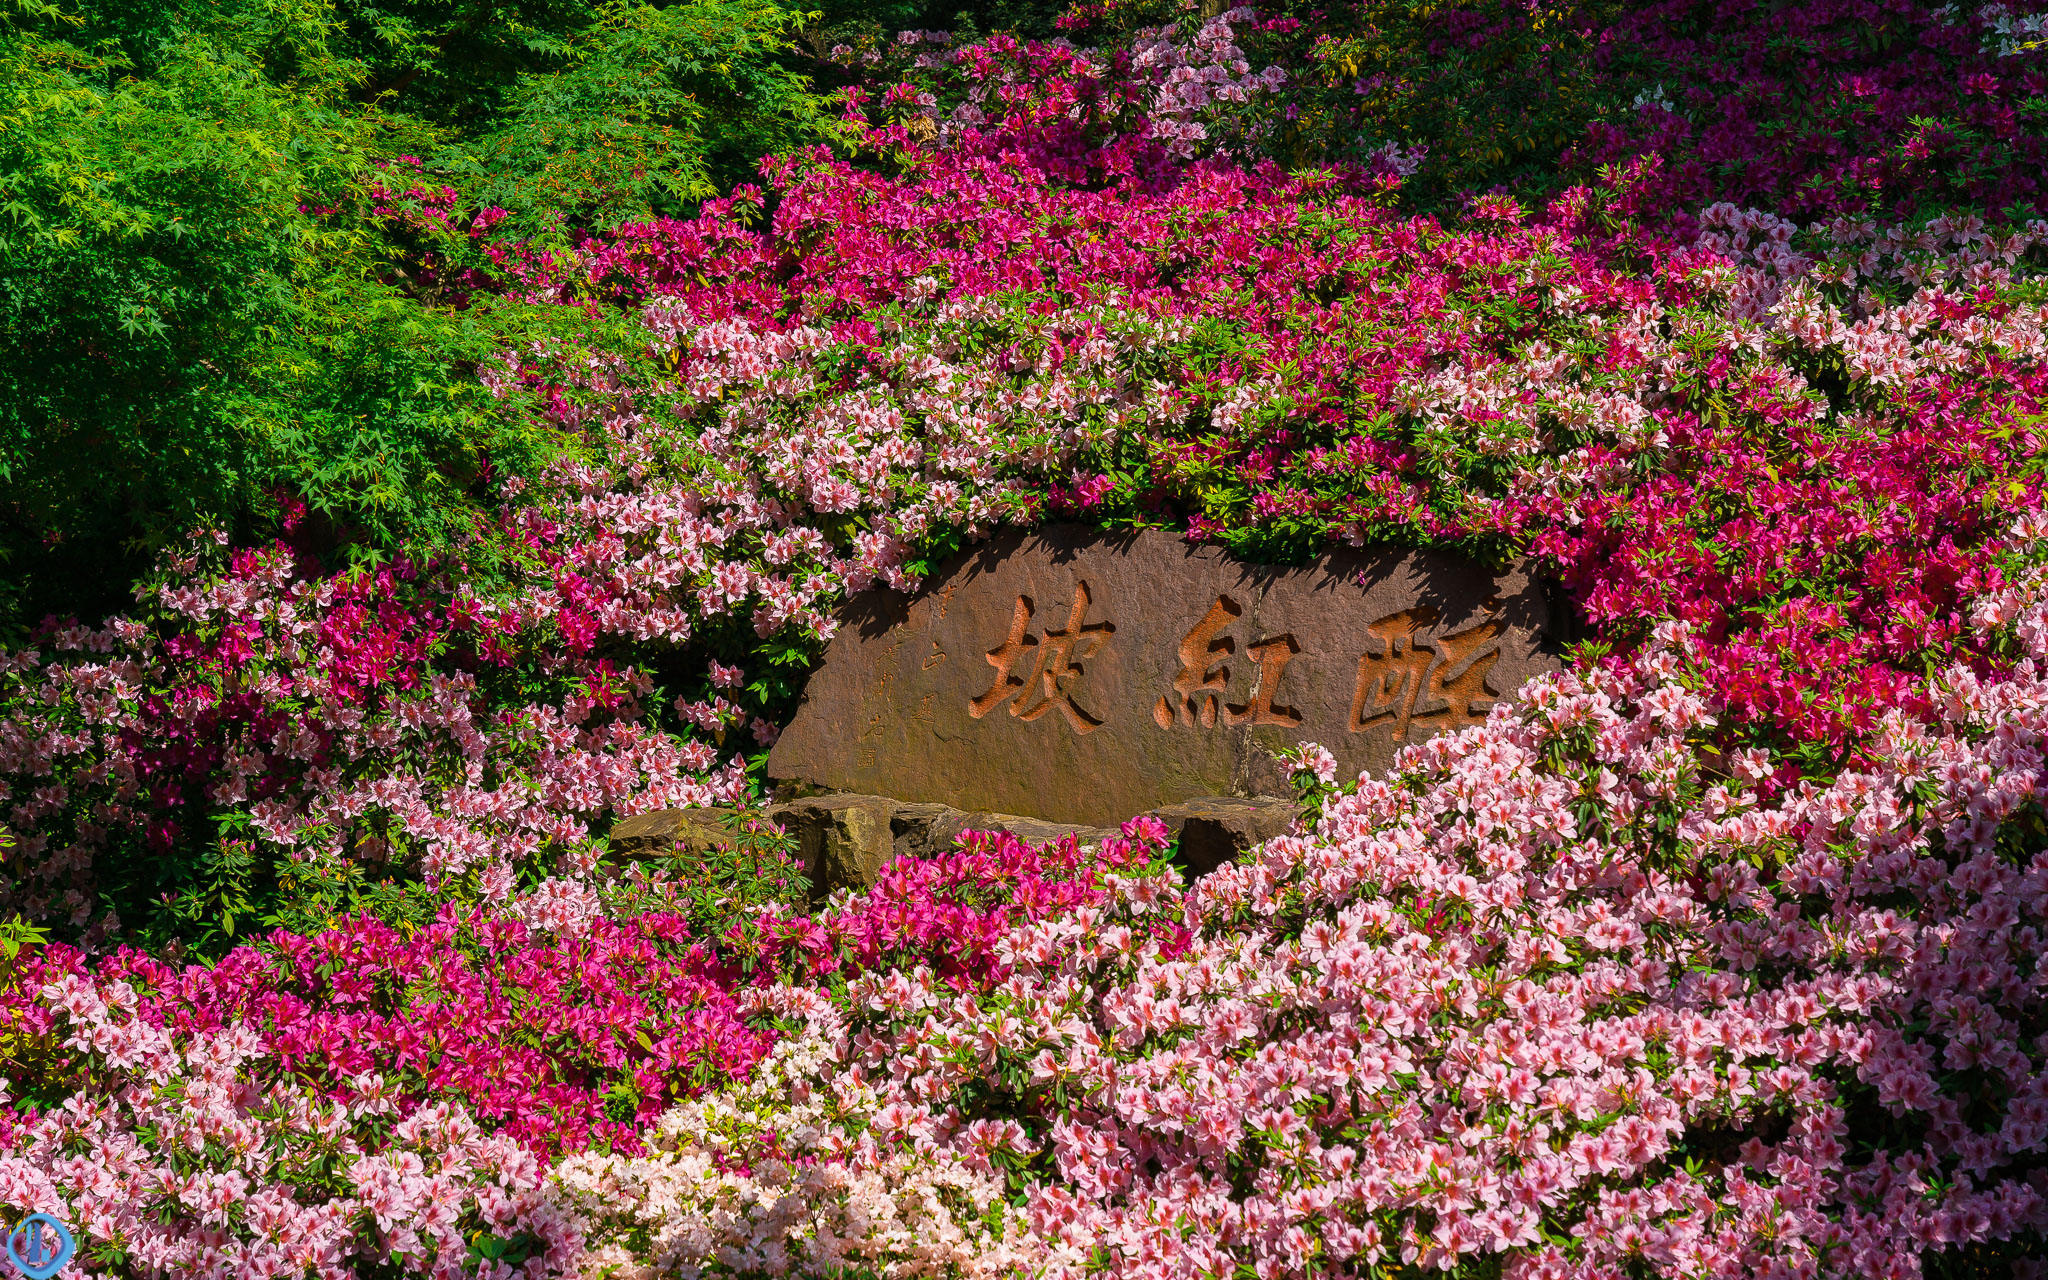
(1529, 994)
(1858, 108)
(1771, 433)
(322, 1103)
(1715, 955)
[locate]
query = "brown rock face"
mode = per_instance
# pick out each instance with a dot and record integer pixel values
(842, 841)
(1081, 678)
(932, 830)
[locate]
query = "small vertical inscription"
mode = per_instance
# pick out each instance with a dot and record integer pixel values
(1390, 671)
(1198, 687)
(1272, 656)
(1457, 683)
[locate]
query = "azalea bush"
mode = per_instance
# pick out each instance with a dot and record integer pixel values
(1844, 107)
(1713, 954)
(1563, 988)
(1776, 436)
(200, 1165)
(211, 318)
(370, 1096)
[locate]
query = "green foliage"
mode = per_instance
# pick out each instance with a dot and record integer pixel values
(210, 308)
(863, 23)
(653, 110)
(1493, 92)
(231, 893)
(17, 934)
(721, 891)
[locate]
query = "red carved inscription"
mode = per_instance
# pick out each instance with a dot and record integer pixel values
(1054, 662)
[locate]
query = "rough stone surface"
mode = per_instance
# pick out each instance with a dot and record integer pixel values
(946, 833)
(673, 831)
(929, 830)
(1213, 830)
(912, 826)
(842, 841)
(1078, 677)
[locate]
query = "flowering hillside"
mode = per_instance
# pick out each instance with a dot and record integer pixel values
(1717, 953)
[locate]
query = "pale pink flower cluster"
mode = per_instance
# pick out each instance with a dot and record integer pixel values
(1892, 303)
(946, 439)
(191, 1160)
(1783, 277)
(1495, 1003)
(418, 775)
(802, 1170)
(1194, 75)
(562, 907)
(2020, 603)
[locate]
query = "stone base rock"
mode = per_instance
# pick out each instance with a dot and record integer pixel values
(922, 830)
(928, 830)
(702, 830)
(1215, 829)
(844, 841)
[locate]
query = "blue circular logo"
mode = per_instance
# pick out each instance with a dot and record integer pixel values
(39, 1246)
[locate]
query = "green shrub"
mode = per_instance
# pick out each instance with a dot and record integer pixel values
(208, 310)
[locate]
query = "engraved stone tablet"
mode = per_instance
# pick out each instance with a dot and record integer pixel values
(1084, 677)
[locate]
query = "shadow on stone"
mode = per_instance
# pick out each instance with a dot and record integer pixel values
(1213, 830)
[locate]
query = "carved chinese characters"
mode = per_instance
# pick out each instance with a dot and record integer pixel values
(1054, 665)
(1405, 677)
(1083, 678)
(1197, 677)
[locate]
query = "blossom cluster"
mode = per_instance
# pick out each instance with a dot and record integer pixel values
(1863, 108)
(359, 719)
(1074, 112)
(1715, 954)
(1564, 988)
(181, 1154)
(802, 1169)
(1569, 987)
(558, 1042)
(1201, 357)
(1836, 108)
(310, 1105)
